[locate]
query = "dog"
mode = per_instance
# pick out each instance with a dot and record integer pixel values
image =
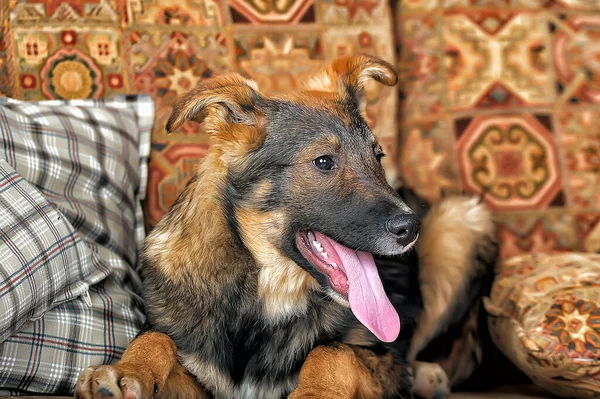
(260, 281)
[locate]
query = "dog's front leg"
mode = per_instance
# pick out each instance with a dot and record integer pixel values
(149, 368)
(341, 371)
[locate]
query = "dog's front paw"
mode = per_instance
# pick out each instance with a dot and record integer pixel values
(115, 382)
(430, 381)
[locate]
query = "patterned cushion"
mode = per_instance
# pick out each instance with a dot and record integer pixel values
(44, 260)
(92, 48)
(503, 97)
(72, 178)
(545, 316)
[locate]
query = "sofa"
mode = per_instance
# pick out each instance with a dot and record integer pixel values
(498, 98)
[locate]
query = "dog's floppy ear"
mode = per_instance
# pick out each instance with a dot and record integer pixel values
(348, 75)
(229, 99)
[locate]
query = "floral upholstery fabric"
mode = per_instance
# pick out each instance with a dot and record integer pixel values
(544, 315)
(503, 98)
(61, 49)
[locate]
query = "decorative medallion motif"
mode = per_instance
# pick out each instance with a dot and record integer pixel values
(576, 324)
(512, 159)
(178, 73)
(70, 74)
(544, 313)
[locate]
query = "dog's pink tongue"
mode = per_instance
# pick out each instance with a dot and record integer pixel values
(368, 300)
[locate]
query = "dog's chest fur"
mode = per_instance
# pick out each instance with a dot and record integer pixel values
(236, 351)
(263, 361)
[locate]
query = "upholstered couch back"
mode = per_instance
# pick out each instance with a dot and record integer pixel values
(496, 97)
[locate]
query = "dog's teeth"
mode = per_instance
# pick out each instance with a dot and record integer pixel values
(311, 236)
(324, 254)
(334, 265)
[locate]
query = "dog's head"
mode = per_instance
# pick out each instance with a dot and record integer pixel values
(304, 179)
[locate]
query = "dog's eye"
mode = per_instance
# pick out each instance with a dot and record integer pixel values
(379, 156)
(324, 163)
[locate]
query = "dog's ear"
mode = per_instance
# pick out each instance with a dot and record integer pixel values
(347, 76)
(225, 99)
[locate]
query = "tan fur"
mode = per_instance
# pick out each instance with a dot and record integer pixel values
(355, 72)
(449, 232)
(215, 380)
(181, 385)
(173, 247)
(334, 142)
(282, 284)
(336, 373)
(222, 97)
(172, 244)
(352, 71)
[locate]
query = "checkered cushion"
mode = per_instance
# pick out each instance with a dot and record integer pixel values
(72, 176)
(44, 260)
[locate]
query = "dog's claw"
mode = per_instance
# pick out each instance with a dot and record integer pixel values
(131, 388)
(105, 392)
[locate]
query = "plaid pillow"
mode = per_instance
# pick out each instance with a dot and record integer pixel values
(71, 223)
(44, 261)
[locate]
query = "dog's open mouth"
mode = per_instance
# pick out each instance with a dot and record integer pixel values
(353, 274)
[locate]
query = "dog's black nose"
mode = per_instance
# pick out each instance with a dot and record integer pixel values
(405, 226)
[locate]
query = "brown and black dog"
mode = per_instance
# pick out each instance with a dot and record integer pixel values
(260, 281)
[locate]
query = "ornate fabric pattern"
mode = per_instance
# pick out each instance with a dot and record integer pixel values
(544, 314)
(503, 98)
(99, 48)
